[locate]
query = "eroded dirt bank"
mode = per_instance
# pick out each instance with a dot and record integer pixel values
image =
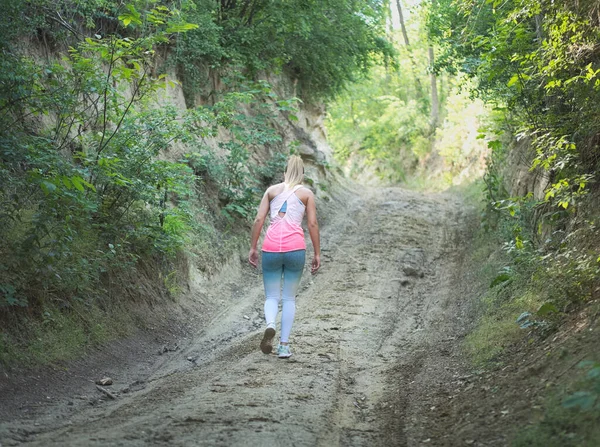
(375, 349)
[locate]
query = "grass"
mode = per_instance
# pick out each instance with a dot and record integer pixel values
(60, 335)
(529, 285)
(497, 328)
(564, 427)
(211, 247)
(52, 333)
(498, 307)
(9, 352)
(428, 183)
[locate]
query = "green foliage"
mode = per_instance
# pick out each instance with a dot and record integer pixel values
(570, 415)
(514, 47)
(499, 326)
(237, 179)
(587, 399)
(85, 190)
(384, 122)
(377, 122)
(538, 44)
(537, 62)
(381, 123)
(81, 181)
(321, 45)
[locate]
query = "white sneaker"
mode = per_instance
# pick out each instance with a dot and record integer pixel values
(283, 351)
(266, 345)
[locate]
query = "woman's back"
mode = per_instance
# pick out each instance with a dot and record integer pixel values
(286, 211)
(302, 193)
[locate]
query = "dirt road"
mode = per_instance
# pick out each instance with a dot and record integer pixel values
(375, 344)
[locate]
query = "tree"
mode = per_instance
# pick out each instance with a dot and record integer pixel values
(413, 64)
(435, 104)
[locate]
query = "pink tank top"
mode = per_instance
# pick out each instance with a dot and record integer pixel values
(285, 233)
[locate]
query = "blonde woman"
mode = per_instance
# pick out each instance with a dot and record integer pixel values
(284, 250)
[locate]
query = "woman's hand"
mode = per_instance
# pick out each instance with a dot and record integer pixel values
(316, 263)
(253, 257)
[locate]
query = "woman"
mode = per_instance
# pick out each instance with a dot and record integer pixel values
(284, 249)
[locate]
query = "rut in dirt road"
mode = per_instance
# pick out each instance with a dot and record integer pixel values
(366, 328)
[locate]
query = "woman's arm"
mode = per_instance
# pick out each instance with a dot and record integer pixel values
(313, 231)
(259, 221)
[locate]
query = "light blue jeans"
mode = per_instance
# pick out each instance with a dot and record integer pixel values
(281, 276)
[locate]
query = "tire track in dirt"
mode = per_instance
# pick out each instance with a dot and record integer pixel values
(365, 326)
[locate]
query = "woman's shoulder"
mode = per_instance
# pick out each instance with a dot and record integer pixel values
(305, 191)
(304, 194)
(275, 190)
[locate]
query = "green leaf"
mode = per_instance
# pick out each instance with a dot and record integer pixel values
(519, 243)
(594, 373)
(495, 145)
(48, 187)
(546, 308)
(88, 184)
(77, 183)
(133, 16)
(10, 296)
(584, 400)
(500, 279)
(67, 182)
(513, 81)
(586, 364)
(180, 27)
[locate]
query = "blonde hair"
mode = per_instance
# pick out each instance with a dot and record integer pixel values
(294, 171)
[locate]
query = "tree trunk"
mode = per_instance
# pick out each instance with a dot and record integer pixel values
(538, 29)
(418, 87)
(435, 103)
(402, 25)
(389, 34)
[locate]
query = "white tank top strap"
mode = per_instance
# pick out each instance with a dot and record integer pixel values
(279, 200)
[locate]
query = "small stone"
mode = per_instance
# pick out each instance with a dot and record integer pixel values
(105, 381)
